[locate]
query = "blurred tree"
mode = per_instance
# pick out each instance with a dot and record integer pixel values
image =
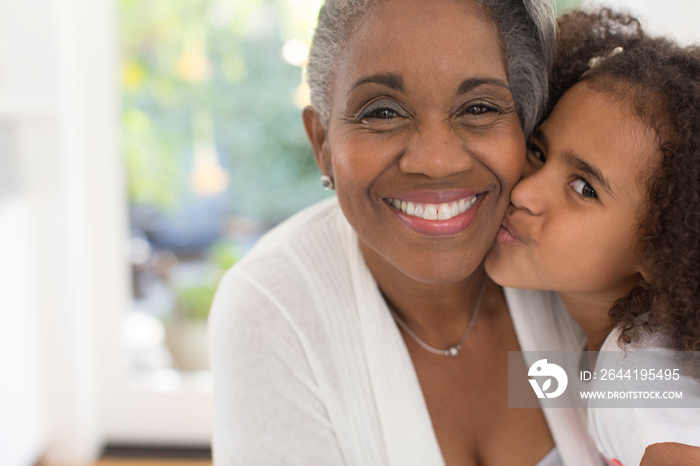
(564, 5)
(211, 107)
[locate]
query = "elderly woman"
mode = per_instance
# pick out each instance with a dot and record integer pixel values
(364, 331)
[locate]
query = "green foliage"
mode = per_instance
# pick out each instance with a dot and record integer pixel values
(565, 5)
(224, 58)
(194, 302)
(224, 254)
(221, 57)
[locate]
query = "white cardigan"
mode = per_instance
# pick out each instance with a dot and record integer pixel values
(309, 367)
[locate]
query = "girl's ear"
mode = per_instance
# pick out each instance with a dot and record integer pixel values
(644, 271)
(645, 275)
(642, 264)
(318, 137)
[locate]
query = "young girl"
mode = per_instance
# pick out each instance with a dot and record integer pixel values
(609, 215)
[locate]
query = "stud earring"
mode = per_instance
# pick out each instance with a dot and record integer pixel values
(327, 182)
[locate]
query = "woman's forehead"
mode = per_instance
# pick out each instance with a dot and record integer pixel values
(414, 37)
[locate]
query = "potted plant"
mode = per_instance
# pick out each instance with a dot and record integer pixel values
(186, 328)
(186, 334)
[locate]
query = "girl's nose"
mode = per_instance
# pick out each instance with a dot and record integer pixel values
(530, 192)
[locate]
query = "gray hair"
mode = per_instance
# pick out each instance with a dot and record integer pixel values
(527, 29)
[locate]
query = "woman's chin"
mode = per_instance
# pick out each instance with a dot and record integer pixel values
(441, 271)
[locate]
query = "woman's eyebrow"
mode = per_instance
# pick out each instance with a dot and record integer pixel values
(578, 163)
(390, 80)
(394, 81)
(472, 83)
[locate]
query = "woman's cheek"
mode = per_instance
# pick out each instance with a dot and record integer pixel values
(504, 159)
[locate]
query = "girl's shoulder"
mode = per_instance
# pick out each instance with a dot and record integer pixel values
(623, 432)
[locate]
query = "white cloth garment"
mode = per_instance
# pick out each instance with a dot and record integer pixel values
(542, 324)
(622, 434)
(309, 367)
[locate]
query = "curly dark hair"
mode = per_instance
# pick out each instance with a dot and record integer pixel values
(660, 81)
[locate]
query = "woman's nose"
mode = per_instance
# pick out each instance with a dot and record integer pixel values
(436, 151)
(530, 192)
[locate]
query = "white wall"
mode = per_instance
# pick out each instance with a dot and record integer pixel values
(25, 105)
(62, 227)
(21, 422)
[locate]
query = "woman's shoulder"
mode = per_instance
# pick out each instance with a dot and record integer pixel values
(314, 236)
(318, 219)
(293, 267)
(541, 321)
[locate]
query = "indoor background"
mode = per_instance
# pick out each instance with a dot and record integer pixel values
(144, 146)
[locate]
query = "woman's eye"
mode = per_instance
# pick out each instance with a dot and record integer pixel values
(382, 110)
(478, 109)
(383, 113)
(583, 188)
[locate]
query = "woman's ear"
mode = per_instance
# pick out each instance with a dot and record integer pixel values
(318, 137)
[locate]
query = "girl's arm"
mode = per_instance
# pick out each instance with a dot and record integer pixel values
(677, 454)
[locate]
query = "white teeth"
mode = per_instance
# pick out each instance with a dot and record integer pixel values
(430, 212)
(443, 211)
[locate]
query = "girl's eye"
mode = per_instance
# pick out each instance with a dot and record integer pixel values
(536, 153)
(583, 188)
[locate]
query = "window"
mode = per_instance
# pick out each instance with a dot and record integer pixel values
(215, 150)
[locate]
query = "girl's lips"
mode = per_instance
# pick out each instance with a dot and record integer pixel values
(444, 219)
(507, 234)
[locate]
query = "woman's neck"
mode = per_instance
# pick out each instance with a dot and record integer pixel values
(436, 310)
(591, 313)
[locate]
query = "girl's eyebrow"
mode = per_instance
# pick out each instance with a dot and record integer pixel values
(578, 163)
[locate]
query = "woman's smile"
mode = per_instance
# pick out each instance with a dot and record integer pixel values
(437, 218)
(444, 211)
(423, 159)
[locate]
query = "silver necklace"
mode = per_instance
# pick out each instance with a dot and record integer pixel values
(453, 350)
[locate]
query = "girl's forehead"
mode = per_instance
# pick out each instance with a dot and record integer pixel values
(605, 132)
